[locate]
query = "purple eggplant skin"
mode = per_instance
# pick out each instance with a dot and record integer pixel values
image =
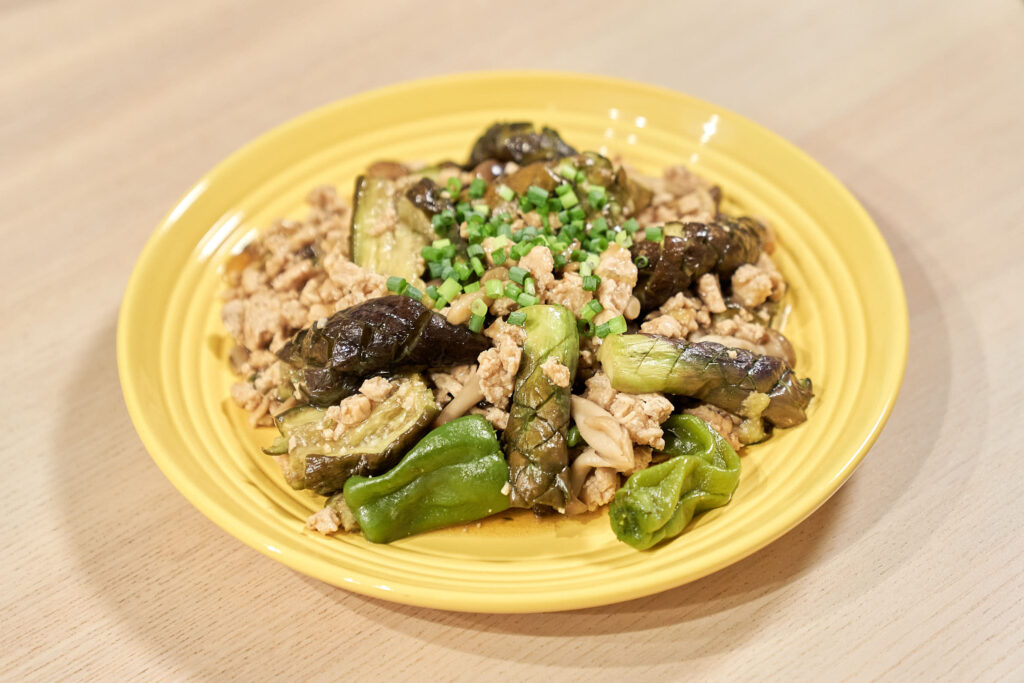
(519, 142)
(690, 250)
(426, 196)
(380, 335)
(711, 372)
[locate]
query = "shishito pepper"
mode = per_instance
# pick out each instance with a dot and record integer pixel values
(658, 502)
(455, 474)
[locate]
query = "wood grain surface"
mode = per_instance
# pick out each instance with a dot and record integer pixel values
(109, 111)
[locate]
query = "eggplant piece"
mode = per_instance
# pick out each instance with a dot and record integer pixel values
(426, 196)
(385, 334)
(519, 142)
(322, 464)
(388, 230)
(535, 437)
(739, 381)
(692, 249)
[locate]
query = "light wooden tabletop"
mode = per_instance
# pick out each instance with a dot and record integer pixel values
(109, 111)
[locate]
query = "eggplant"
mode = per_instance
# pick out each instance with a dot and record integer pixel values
(690, 250)
(519, 142)
(322, 463)
(388, 229)
(380, 335)
(744, 383)
(426, 196)
(535, 438)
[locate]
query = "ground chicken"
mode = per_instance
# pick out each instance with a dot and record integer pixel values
(324, 521)
(540, 262)
(354, 285)
(555, 371)
(722, 422)
(568, 292)
(678, 317)
(498, 365)
(599, 488)
(752, 332)
(640, 414)
(497, 417)
(618, 278)
(376, 389)
(711, 292)
(351, 411)
(751, 286)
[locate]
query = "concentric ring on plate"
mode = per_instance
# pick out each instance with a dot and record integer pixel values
(849, 324)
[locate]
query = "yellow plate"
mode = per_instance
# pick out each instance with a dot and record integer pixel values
(848, 324)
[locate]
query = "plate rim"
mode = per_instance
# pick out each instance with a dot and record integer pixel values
(441, 599)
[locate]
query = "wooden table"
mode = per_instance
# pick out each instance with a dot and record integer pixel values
(109, 111)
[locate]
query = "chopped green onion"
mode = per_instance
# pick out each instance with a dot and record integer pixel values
(454, 185)
(494, 289)
(577, 214)
(471, 287)
(597, 197)
(518, 274)
(512, 290)
(563, 217)
(598, 244)
(477, 265)
(438, 223)
(525, 299)
(463, 271)
(552, 205)
(529, 286)
(567, 170)
(499, 256)
(602, 330)
(478, 307)
(559, 260)
(586, 269)
(474, 250)
(476, 323)
(430, 253)
(578, 255)
(585, 327)
(441, 244)
(414, 293)
(590, 282)
(481, 209)
(506, 193)
(516, 318)
(524, 204)
(631, 226)
(398, 285)
(592, 308)
(449, 289)
(641, 261)
(477, 188)
(574, 438)
(536, 195)
(432, 291)
(653, 234)
(562, 189)
(623, 239)
(580, 177)
(447, 272)
(500, 241)
(569, 199)
(599, 225)
(436, 268)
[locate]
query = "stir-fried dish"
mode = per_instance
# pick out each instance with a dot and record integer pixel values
(537, 328)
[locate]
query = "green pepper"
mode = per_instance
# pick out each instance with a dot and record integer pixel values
(657, 503)
(455, 474)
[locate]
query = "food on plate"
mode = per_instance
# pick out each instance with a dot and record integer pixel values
(537, 328)
(657, 503)
(456, 473)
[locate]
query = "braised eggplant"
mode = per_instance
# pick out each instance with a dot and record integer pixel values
(744, 383)
(321, 463)
(388, 229)
(535, 437)
(519, 142)
(689, 250)
(380, 335)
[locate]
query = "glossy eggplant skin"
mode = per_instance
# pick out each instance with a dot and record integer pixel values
(323, 463)
(736, 380)
(380, 335)
(426, 196)
(535, 437)
(689, 250)
(519, 142)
